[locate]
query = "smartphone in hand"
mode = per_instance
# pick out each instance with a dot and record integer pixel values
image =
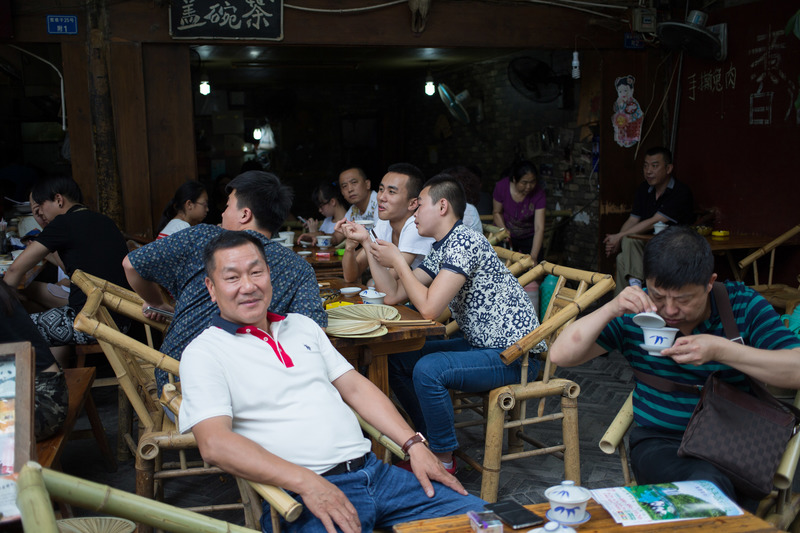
(514, 514)
(158, 311)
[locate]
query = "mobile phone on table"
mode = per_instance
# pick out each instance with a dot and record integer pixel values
(159, 311)
(514, 514)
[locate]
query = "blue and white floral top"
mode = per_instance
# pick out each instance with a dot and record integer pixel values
(491, 308)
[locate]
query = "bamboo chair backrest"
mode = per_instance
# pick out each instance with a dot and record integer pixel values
(767, 249)
(133, 362)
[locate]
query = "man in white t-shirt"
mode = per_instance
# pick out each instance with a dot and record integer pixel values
(269, 399)
(356, 189)
(397, 201)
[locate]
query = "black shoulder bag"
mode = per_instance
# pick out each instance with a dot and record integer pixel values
(743, 434)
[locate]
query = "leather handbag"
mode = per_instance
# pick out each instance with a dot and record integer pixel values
(743, 434)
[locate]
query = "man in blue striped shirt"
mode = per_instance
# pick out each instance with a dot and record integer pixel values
(679, 271)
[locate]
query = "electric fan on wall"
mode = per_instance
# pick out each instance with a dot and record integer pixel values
(694, 38)
(534, 79)
(453, 102)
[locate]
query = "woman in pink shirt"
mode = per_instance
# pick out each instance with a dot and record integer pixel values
(518, 205)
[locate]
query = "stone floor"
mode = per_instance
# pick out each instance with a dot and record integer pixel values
(604, 382)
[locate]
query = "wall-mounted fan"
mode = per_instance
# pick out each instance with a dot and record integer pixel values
(534, 79)
(453, 102)
(694, 38)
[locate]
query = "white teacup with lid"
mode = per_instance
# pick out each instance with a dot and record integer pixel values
(656, 336)
(568, 503)
(371, 296)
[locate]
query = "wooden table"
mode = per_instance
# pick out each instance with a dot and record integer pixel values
(725, 246)
(372, 352)
(601, 521)
(323, 267)
(30, 275)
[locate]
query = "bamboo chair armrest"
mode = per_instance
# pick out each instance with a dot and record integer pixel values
(278, 499)
(618, 427)
(552, 324)
(106, 500)
(786, 468)
(384, 440)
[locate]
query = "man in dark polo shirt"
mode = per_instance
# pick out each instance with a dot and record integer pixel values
(660, 198)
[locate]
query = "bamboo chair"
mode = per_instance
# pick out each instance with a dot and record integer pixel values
(505, 408)
(494, 234)
(133, 363)
(777, 294)
(36, 485)
(780, 508)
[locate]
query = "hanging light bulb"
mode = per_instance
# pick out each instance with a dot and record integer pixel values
(257, 133)
(430, 88)
(576, 66)
(205, 85)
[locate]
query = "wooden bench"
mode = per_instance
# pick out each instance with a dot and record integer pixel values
(79, 385)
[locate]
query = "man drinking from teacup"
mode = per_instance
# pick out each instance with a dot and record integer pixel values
(679, 273)
(269, 399)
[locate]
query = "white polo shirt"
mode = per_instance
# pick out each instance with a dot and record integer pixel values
(277, 389)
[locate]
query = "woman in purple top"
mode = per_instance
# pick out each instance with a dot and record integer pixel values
(518, 205)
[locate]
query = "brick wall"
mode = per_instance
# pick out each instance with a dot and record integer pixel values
(513, 124)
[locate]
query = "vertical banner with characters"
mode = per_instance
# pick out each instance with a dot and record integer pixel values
(627, 117)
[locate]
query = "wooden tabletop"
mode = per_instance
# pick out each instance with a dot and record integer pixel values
(735, 241)
(30, 275)
(600, 521)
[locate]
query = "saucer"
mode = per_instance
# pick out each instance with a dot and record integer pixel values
(586, 518)
(653, 350)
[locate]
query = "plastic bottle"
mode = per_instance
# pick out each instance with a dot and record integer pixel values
(546, 289)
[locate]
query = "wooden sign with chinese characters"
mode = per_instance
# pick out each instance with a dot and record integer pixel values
(227, 19)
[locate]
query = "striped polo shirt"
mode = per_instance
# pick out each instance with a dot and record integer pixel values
(758, 324)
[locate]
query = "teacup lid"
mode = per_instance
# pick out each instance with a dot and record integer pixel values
(552, 527)
(370, 292)
(649, 320)
(568, 492)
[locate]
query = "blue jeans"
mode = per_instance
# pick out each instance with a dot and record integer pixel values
(383, 495)
(421, 381)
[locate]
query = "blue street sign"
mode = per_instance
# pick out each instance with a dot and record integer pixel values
(62, 24)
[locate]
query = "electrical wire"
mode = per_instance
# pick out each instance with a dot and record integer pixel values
(63, 108)
(663, 100)
(349, 10)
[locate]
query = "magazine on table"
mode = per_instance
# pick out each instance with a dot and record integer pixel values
(665, 502)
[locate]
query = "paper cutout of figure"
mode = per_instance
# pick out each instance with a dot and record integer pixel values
(627, 117)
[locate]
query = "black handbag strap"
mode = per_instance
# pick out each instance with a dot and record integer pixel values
(726, 313)
(666, 385)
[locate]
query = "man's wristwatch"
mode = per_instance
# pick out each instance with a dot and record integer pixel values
(414, 440)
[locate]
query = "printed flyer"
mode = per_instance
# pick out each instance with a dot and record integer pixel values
(665, 502)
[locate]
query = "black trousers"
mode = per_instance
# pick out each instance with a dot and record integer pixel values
(654, 459)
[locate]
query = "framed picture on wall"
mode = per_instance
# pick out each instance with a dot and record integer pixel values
(16, 419)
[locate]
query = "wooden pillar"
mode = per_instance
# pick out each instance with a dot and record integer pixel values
(109, 189)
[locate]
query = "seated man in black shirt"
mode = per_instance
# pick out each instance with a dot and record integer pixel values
(660, 198)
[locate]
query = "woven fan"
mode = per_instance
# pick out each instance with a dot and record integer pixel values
(364, 312)
(340, 327)
(382, 330)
